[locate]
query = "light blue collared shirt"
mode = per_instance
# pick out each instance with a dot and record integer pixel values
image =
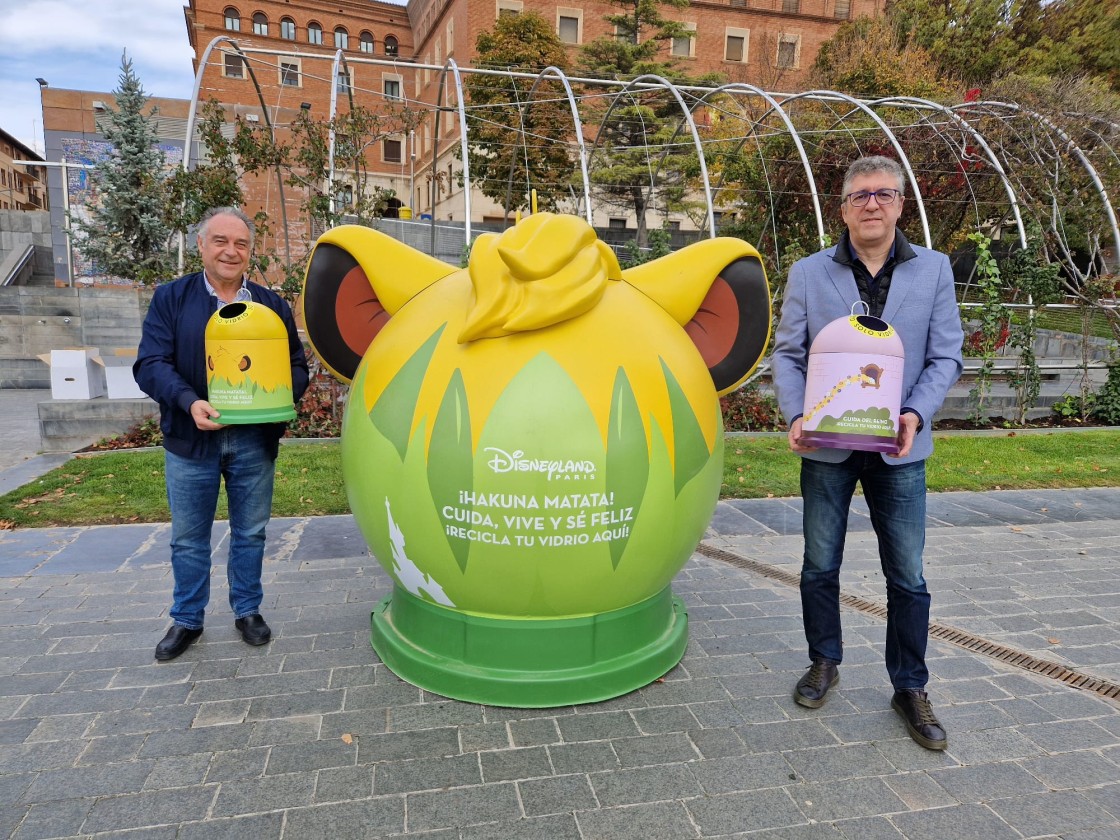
(241, 296)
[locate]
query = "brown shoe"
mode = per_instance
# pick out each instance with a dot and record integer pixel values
(813, 687)
(922, 724)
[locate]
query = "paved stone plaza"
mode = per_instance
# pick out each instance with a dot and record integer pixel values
(310, 736)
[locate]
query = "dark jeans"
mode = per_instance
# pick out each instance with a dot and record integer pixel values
(244, 460)
(896, 498)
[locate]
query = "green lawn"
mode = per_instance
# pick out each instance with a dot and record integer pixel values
(128, 486)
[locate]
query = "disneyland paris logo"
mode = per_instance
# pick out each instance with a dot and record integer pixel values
(505, 462)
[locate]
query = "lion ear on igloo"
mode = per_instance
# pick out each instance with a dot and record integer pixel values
(357, 279)
(716, 289)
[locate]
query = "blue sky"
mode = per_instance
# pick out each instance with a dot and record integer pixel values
(77, 44)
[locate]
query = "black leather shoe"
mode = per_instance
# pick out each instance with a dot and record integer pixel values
(813, 687)
(253, 630)
(177, 640)
(922, 724)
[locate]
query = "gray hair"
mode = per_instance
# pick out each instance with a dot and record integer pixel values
(872, 164)
(236, 212)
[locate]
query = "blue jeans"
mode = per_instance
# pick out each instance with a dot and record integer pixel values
(243, 459)
(896, 499)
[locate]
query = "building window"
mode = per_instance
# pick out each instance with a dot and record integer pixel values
(392, 87)
(509, 7)
(344, 82)
(616, 224)
(391, 151)
(684, 46)
(791, 7)
(843, 10)
(625, 36)
(568, 25)
(260, 24)
(391, 47)
(314, 33)
(287, 29)
(233, 19)
(233, 66)
(289, 72)
(737, 45)
(341, 38)
(672, 225)
(450, 36)
(365, 42)
(789, 51)
(345, 195)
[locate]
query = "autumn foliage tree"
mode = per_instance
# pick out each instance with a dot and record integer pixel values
(518, 143)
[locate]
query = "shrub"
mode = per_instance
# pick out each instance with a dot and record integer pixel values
(750, 410)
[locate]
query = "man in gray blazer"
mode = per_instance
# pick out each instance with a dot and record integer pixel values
(911, 288)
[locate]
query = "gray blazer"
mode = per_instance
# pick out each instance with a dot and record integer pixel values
(921, 306)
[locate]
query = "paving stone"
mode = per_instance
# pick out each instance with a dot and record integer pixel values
(530, 733)
(597, 726)
(741, 773)
(272, 793)
(654, 749)
(844, 761)
(868, 828)
(846, 799)
(637, 822)
(539, 828)
(664, 719)
(404, 745)
(178, 771)
(258, 827)
(148, 809)
(462, 806)
(992, 745)
(433, 715)
(1069, 735)
(291, 758)
(583, 758)
(426, 774)
(1051, 812)
(62, 818)
(380, 815)
(505, 765)
(749, 811)
(557, 795)
(985, 782)
(645, 784)
(1072, 770)
(290, 730)
(236, 764)
(963, 822)
(340, 784)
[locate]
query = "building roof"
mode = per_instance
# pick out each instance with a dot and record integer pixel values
(30, 154)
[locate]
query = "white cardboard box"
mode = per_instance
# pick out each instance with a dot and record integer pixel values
(74, 374)
(119, 381)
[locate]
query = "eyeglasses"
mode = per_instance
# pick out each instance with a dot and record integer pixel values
(883, 198)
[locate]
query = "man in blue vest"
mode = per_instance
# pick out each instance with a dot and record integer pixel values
(911, 288)
(199, 451)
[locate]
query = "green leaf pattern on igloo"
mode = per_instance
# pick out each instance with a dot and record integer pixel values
(691, 451)
(392, 413)
(627, 455)
(450, 457)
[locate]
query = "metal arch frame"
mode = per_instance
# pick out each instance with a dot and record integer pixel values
(451, 65)
(902, 158)
(339, 61)
(747, 120)
(776, 107)
(556, 72)
(979, 138)
(192, 116)
(661, 82)
(1086, 164)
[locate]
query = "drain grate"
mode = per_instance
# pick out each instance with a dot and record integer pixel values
(943, 632)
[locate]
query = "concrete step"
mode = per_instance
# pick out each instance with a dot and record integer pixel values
(69, 425)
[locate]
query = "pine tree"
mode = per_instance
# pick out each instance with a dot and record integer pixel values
(643, 157)
(126, 234)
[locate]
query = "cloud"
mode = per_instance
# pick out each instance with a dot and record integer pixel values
(78, 44)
